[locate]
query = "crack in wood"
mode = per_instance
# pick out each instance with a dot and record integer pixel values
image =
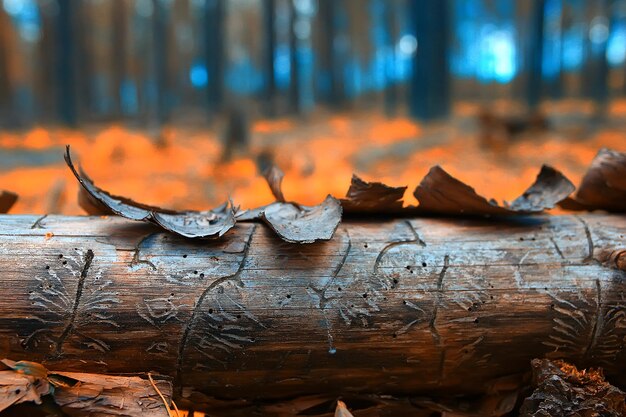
(416, 240)
(37, 224)
(557, 248)
(590, 245)
(79, 292)
(189, 327)
(323, 300)
(438, 300)
(136, 259)
(598, 324)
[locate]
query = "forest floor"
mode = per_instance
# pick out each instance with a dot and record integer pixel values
(185, 169)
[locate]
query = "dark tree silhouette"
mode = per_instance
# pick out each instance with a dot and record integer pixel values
(65, 68)
(430, 83)
(534, 55)
(214, 52)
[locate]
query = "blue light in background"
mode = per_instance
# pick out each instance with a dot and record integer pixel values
(198, 75)
(282, 66)
(128, 97)
(25, 14)
(616, 46)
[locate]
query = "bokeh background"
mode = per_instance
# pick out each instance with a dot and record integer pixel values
(182, 102)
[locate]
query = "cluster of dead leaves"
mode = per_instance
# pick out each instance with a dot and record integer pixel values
(602, 188)
(83, 394)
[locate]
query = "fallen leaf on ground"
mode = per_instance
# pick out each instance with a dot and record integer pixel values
(440, 193)
(191, 224)
(603, 186)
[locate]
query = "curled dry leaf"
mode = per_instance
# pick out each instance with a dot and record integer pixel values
(303, 224)
(7, 199)
(293, 222)
(274, 177)
(604, 185)
(191, 224)
(440, 193)
(372, 197)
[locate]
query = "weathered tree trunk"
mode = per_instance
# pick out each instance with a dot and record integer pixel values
(403, 306)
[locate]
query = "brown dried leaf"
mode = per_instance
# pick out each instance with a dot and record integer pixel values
(292, 222)
(303, 224)
(23, 381)
(17, 388)
(191, 224)
(7, 199)
(440, 193)
(604, 185)
(97, 395)
(372, 197)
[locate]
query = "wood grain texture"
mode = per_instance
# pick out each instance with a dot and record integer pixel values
(402, 306)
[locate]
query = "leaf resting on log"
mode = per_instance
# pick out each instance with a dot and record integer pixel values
(191, 224)
(7, 199)
(564, 391)
(604, 185)
(372, 197)
(440, 193)
(293, 222)
(304, 224)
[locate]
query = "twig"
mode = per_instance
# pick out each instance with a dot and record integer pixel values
(169, 412)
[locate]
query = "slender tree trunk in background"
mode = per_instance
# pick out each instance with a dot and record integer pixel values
(5, 85)
(391, 89)
(534, 56)
(600, 65)
(269, 10)
(214, 53)
(45, 83)
(294, 86)
(397, 307)
(160, 47)
(327, 34)
(65, 68)
(119, 46)
(429, 90)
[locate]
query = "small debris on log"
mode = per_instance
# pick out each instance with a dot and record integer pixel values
(192, 224)
(604, 185)
(564, 391)
(7, 199)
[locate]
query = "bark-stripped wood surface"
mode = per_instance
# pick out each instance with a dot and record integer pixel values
(403, 306)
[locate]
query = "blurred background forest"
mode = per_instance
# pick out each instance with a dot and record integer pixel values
(181, 102)
(157, 61)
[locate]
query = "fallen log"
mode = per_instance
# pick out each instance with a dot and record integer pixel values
(402, 306)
